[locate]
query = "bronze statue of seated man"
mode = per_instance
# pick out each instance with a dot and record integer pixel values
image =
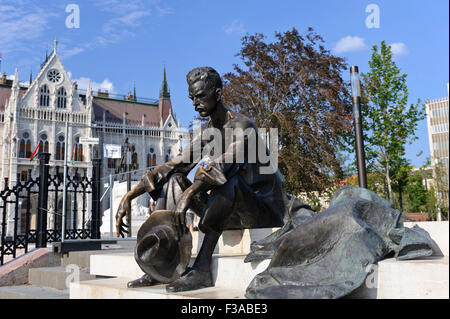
(226, 194)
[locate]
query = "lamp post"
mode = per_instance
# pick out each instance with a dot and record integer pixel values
(360, 155)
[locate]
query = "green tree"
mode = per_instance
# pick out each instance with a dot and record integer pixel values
(294, 84)
(400, 172)
(389, 123)
(416, 192)
(440, 176)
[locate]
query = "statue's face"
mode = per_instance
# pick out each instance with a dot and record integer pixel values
(204, 98)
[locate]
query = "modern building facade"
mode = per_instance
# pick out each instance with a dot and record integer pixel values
(437, 112)
(437, 121)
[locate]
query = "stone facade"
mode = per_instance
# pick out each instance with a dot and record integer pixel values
(38, 114)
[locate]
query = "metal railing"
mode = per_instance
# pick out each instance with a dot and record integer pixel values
(34, 212)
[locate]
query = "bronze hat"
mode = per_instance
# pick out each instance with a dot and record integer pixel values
(158, 252)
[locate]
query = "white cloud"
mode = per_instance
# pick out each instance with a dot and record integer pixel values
(65, 53)
(21, 23)
(105, 85)
(235, 27)
(21, 83)
(349, 43)
(131, 19)
(399, 48)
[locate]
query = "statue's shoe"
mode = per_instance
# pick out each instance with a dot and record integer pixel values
(192, 280)
(144, 281)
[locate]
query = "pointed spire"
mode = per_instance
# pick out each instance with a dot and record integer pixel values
(55, 44)
(164, 92)
(134, 92)
(31, 76)
(89, 89)
(16, 79)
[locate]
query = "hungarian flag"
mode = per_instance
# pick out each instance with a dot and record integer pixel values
(35, 153)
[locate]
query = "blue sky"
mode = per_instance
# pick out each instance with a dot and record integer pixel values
(119, 42)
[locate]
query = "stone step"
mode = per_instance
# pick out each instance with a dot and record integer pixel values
(82, 258)
(425, 278)
(56, 277)
(229, 271)
(231, 274)
(412, 279)
(116, 288)
(32, 292)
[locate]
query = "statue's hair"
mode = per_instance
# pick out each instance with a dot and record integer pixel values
(207, 74)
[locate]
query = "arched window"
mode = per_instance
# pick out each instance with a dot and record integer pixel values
(25, 145)
(167, 155)
(151, 158)
(61, 98)
(44, 96)
(78, 151)
(22, 148)
(28, 149)
(60, 148)
(43, 146)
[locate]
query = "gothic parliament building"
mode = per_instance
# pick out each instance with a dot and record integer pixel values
(37, 114)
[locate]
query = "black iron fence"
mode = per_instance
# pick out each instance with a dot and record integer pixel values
(32, 211)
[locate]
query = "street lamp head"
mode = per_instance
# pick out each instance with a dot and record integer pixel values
(354, 78)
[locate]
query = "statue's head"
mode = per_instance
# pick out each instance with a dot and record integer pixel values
(205, 90)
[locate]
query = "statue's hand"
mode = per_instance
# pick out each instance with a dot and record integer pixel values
(180, 212)
(123, 210)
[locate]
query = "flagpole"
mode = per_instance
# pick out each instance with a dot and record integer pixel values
(63, 226)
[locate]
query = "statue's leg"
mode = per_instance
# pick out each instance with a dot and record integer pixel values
(219, 207)
(199, 276)
(166, 199)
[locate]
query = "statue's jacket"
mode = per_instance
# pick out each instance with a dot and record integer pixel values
(245, 193)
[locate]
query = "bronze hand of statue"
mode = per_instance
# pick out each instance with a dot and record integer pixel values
(123, 210)
(180, 211)
(184, 203)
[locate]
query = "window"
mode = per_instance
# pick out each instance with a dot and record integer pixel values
(60, 148)
(61, 98)
(54, 76)
(151, 158)
(25, 146)
(111, 163)
(28, 149)
(78, 151)
(24, 176)
(43, 146)
(44, 96)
